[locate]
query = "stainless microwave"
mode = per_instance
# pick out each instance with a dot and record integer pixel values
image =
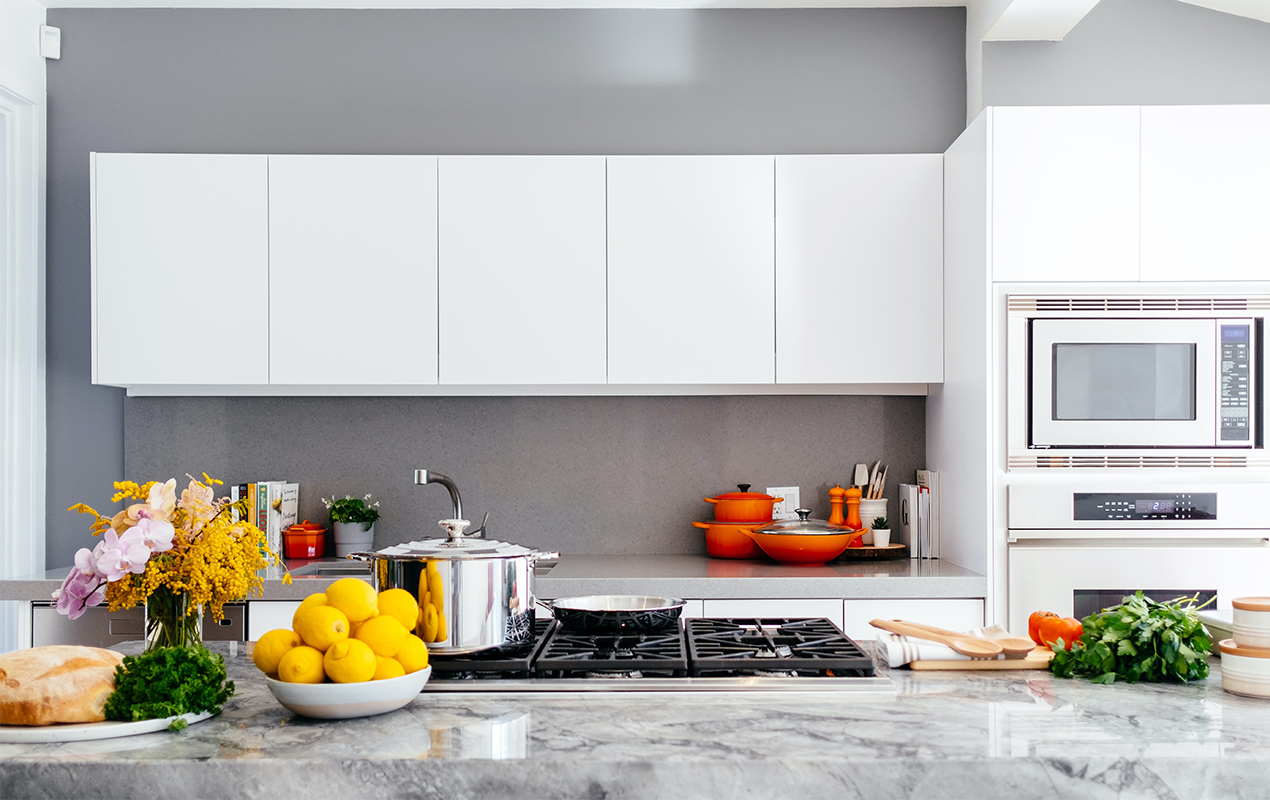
(1144, 373)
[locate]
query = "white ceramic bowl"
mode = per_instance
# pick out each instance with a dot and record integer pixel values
(1251, 617)
(1244, 670)
(347, 700)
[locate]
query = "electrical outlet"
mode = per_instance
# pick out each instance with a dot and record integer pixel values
(785, 508)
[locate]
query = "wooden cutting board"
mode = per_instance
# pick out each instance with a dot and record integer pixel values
(1037, 659)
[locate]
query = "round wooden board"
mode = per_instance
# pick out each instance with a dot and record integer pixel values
(892, 550)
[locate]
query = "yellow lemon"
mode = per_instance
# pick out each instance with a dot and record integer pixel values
(350, 661)
(384, 634)
(386, 668)
(301, 664)
(433, 578)
(312, 600)
(413, 655)
(355, 597)
(400, 604)
(353, 627)
(321, 626)
(272, 647)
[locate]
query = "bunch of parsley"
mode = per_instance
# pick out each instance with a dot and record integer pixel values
(168, 682)
(1139, 640)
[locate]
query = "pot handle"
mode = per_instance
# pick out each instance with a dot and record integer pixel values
(361, 556)
(547, 556)
(711, 499)
(705, 526)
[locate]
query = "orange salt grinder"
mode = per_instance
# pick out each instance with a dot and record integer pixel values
(836, 497)
(853, 514)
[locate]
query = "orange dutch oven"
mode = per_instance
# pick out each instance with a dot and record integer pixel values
(730, 539)
(743, 506)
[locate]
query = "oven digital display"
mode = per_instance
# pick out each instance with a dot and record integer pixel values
(1154, 506)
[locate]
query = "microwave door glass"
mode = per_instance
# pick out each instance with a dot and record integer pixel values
(1118, 381)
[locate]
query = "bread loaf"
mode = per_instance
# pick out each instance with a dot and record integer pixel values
(59, 683)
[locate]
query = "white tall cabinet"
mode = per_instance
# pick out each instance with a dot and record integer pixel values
(859, 268)
(1205, 203)
(352, 269)
(522, 269)
(180, 257)
(691, 273)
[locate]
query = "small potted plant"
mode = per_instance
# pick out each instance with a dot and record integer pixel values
(354, 522)
(881, 532)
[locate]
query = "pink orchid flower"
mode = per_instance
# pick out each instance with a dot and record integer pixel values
(130, 556)
(79, 591)
(154, 535)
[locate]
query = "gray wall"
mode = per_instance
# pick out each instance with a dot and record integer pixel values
(1136, 52)
(284, 81)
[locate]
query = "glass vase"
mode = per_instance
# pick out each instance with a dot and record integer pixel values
(172, 620)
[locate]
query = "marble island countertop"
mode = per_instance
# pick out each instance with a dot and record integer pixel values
(943, 734)
(690, 576)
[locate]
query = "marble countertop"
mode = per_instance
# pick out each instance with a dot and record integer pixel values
(943, 734)
(689, 576)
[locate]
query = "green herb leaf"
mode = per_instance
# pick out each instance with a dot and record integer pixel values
(167, 682)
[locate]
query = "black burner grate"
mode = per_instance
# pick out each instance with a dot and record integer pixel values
(510, 662)
(572, 655)
(756, 646)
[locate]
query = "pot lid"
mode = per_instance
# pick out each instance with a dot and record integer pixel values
(744, 494)
(433, 549)
(804, 526)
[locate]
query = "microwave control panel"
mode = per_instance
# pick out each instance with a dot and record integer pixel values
(1235, 344)
(1144, 505)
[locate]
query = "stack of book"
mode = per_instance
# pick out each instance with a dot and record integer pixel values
(272, 506)
(919, 515)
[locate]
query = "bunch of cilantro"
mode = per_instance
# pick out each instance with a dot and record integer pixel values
(168, 682)
(1139, 640)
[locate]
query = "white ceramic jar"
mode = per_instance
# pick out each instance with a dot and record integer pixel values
(869, 511)
(1252, 621)
(1244, 670)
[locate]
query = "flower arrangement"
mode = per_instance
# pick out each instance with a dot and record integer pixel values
(352, 509)
(176, 556)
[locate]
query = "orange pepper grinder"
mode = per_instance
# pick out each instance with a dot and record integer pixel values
(853, 514)
(836, 498)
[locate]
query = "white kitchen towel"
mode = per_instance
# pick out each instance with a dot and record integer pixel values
(900, 650)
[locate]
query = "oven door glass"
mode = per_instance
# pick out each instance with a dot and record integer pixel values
(1123, 383)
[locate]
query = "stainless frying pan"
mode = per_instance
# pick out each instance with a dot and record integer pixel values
(611, 613)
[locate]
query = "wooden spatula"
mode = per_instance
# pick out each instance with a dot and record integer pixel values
(1013, 647)
(966, 645)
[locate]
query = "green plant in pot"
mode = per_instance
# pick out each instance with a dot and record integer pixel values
(881, 532)
(353, 519)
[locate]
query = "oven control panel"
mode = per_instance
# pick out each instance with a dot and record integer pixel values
(1144, 505)
(1235, 365)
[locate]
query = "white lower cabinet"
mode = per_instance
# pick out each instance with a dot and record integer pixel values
(794, 608)
(955, 614)
(267, 615)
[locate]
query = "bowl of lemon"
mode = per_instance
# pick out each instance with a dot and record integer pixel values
(350, 652)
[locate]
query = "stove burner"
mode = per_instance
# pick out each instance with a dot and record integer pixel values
(570, 654)
(807, 647)
(503, 662)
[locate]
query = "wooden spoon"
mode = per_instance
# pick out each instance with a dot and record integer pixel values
(1013, 647)
(966, 645)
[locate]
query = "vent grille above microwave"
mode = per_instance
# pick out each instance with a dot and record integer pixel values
(1049, 461)
(1050, 303)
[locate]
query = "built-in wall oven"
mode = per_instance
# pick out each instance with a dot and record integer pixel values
(1135, 380)
(1080, 544)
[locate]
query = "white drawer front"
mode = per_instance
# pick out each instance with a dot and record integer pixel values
(954, 614)
(830, 609)
(267, 615)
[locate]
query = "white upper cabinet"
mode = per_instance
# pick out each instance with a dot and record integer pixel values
(522, 269)
(859, 269)
(353, 270)
(691, 270)
(1065, 193)
(1205, 201)
(180, 269)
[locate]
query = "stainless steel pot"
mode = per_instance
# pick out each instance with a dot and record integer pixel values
(475, 594)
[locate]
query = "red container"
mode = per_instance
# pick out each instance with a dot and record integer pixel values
(304, 541)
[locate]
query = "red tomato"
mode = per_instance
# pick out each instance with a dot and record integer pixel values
(1052, 629)
(1034, 622)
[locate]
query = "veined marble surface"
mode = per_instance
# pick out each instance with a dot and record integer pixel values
(944, 735)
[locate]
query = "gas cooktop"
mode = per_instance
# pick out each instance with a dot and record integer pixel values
(738, 654)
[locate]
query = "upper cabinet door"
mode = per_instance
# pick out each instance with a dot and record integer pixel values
(1065, 194)
(691, 269)
(180, 269)
(353, 270)
(1205, 203)
(859, 269)
(522, 269)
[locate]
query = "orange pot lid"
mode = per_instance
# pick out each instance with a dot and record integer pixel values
(744, 494)
(1229, 647)
(1251, 603)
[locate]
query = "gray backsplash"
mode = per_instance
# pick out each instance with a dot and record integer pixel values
(574, 474)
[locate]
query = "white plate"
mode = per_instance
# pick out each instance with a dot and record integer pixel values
(84, 731)
(1219, 624)
(347, 700)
